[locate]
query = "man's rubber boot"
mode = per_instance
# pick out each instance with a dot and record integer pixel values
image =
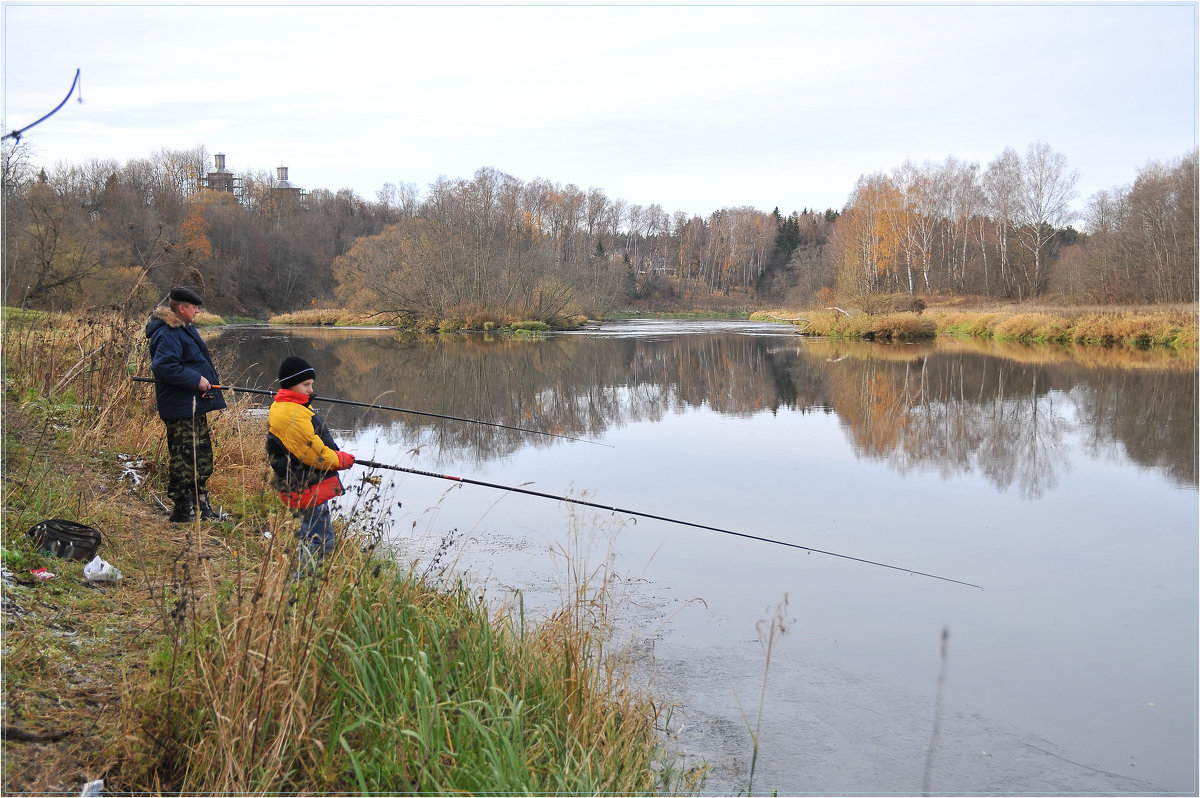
(183, 513)
(207, 513)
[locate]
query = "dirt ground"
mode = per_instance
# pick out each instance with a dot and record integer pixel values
(74, 650)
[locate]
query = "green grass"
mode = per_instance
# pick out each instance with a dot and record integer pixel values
(21, 318)
(369, 680)
(432, 699)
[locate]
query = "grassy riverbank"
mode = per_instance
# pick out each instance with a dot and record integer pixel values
(1173, 326)
(480, 322)
(208, 670)
(1169, 326)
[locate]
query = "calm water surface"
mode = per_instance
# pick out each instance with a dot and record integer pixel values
(1064, 482)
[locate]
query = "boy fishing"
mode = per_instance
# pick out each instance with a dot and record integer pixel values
(304, 458)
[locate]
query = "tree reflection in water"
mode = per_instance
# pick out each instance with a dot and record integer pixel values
(954, 406)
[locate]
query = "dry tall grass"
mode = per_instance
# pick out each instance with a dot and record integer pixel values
(365, 680)
(1173, 326)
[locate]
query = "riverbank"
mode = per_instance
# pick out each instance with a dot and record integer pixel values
(1170, 326)
(483, 322)
(206, 669)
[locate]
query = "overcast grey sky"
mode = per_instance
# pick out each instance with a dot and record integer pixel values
(693, 107)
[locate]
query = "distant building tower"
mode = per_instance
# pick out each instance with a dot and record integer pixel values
(282, 185)
(220, 178)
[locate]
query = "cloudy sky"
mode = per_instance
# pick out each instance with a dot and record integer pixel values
(692, 106)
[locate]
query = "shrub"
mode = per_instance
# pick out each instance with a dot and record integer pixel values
(886, 327)
(1034, 327)
(530, 326)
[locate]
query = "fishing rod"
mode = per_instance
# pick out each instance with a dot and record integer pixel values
(16, 134)
(264, 392)
(527, 492)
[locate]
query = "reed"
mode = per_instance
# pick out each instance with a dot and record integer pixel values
(769, 630)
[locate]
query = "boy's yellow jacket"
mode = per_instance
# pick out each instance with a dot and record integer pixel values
(302, 452)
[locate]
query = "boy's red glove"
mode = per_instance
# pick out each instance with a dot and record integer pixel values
(345, 460)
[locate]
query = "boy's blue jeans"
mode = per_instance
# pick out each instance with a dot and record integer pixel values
(316, 534)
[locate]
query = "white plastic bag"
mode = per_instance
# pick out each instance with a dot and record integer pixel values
(99, 570)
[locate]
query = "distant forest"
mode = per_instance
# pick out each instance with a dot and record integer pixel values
(103, 233)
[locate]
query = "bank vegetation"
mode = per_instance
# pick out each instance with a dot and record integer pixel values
(1167, 326)
(208, 670)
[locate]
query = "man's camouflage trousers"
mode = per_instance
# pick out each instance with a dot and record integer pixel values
(190, 449)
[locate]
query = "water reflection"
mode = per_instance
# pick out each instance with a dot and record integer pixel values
(1061, 479)
(968, 406)
(954, 407)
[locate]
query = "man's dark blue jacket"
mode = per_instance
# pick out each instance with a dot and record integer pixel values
(178, 358)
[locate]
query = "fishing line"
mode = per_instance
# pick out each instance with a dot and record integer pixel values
(568, 499)
(264, 392)
(527, 492)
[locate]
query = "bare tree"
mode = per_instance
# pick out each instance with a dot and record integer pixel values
(17, 167)
(1161, 219)
(59, 250)
(1141, 244)
(596, 208)
(960, 198)
(18, 175)
(1043, 205)
(911, 210)
(1002, 184)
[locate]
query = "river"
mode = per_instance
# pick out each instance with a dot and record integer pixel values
(1059, 483)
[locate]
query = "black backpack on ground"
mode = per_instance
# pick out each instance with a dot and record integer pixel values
(66, 539)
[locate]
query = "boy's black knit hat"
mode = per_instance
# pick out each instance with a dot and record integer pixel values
(294, 371)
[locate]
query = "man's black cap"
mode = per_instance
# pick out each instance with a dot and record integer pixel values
(181, 294)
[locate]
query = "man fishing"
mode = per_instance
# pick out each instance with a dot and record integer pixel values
(183, 378)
